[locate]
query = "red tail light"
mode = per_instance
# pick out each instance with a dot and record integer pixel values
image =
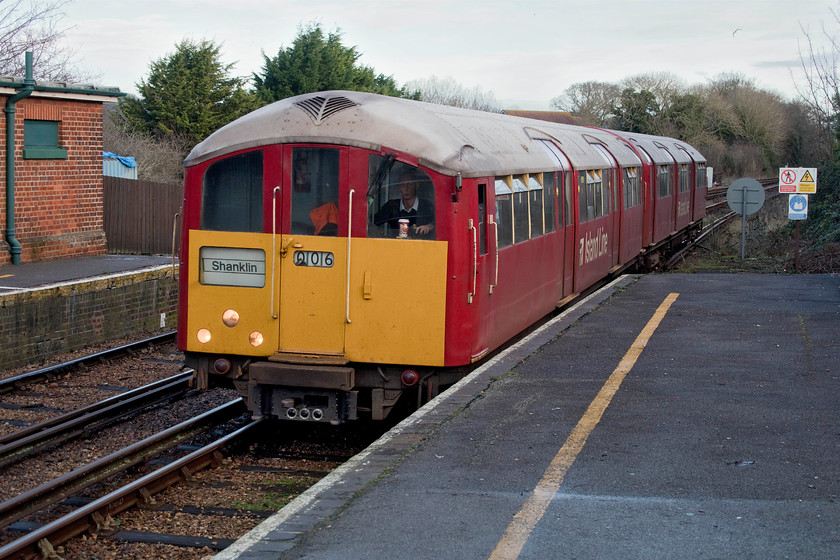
(409, 377)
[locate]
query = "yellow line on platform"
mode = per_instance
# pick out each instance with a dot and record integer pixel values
(510, 545)
(7, 276)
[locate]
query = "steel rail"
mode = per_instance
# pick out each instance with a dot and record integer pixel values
(72, 482)
(21, 443)
(13, 383)
(97, 516)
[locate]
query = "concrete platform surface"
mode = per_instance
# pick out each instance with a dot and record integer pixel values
(30, 275)
(670, 416)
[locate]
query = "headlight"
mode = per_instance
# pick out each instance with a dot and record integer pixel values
(230, 318)
(203, 336)
(256, 338)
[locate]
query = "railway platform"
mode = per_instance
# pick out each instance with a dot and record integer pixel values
(666, 416)
(31, 275)
(69, 304)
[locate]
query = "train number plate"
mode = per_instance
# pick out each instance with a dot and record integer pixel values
(321, 259)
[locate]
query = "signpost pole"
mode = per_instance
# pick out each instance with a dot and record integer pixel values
(749, 202)
(796, 265)
(743, 219)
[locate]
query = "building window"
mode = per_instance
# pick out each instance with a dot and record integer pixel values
(40, 140)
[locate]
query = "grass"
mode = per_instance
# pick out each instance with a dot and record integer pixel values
(769, 247)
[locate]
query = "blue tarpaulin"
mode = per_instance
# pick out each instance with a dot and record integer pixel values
(128, 161)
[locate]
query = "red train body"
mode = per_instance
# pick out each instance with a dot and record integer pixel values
(296, 287)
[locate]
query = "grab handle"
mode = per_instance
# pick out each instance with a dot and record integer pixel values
(273, 246)
(349, 242)
(471, 294)
(496, 232)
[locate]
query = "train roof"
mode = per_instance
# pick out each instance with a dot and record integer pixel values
(661, 147)
(447, 139)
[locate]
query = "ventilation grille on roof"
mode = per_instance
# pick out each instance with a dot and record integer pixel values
(319, 107)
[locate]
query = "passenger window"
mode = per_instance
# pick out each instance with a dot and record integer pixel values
(315, 197)
(521, 221)
(663, 182)
(598, 197)
(535, 204)
(549, 196)
(504, 212)
(684, 186)
(232, 198)
(583, 214)
(632, 194)
(403, 192)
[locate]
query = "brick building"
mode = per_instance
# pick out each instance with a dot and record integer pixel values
(55, 177)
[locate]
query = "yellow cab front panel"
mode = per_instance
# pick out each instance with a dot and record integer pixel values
(397, 302)
(230, 272)
(389, 309)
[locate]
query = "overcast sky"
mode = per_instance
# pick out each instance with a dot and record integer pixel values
(523, 51)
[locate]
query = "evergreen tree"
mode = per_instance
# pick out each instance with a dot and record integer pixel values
(636, 111)
(318, 62)
(189, 93)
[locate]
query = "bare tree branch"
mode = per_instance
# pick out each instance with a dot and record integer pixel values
(33, 25)
(821, 89)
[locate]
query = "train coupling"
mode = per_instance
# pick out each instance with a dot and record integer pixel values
(302, 392)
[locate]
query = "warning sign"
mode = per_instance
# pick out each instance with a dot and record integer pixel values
(796, 180)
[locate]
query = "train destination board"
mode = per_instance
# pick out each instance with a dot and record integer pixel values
(796, 180)
(232, 266)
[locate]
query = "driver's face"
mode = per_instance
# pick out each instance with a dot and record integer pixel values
(408, 189)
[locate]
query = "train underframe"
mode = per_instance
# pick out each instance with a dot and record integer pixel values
(317, 392)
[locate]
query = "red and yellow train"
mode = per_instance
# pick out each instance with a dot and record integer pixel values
(342, 249)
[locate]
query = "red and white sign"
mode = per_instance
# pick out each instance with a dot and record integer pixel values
(795, 180)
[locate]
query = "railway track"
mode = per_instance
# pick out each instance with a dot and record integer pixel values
(98, 515)
(81, 422)
(771, 189)
(34, 522)
(19, 382)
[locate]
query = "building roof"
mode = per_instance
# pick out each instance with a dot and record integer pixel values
(13, 84)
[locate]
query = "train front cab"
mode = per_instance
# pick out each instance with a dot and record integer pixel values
(290, 283)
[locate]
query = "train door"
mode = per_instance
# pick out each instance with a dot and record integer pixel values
(615, 188)
(312, 256)
(648, 192)
(699, 204)
(611, 184)
(664, 204)
(569, 204)
(394, 299)
(565, 185)
(683, 216)
(484, 271)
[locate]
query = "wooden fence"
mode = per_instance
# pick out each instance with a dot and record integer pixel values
(139, 216)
